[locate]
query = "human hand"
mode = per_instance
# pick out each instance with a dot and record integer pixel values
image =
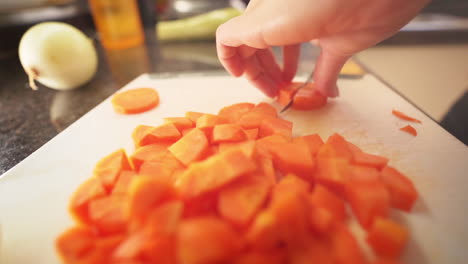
(340, 27)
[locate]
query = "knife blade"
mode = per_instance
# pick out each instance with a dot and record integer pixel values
(309, 79)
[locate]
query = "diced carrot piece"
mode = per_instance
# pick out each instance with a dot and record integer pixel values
(410, 130)
(307, 98)
(265, 109)
(180, 123)
(190, 147)
(404, 116)
(89, 190)
(370, 160)
(271, 126)
(147, 248)
(193, 116)
(215, 172)
(386, 261)
(108, 168)
(123, 182)
(314, 142)
(144, 194)
(315, 250)
(240, 201)
(234, 112)
(263, 145)
(139, 133)
(263, 233)
(333, 173)
(266, 167)
(251, 134)
(220, 242)
(163, 133)
(165, 170)
(186, 131)
(228, 133)
(103, 249)
(73, 244)
(251, 120)
(135, 100)
(322, 197)
(153, 152)
(164, 219)
(368, 201)
(320, 219)
(387, 238)
(335, 147)
(254, 117)
(293, 158)
(345, 248)
(261, 257)
(207, 122)
(286, 93)
(202, 205)
(363, 173)
(107, 214)
(289, 205)
(403, 194)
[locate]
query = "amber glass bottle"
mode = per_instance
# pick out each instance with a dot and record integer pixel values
(118, 23)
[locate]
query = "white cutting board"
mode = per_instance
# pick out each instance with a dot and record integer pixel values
(35, 193)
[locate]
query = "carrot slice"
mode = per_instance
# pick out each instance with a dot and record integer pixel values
(181, 123)
(214, 172)
(135, 101)
(228, 133)
(322, 197)
(404, 116)
(108, 168)
(107, 214)
(190, 147)
(307, 98)
(293, 158)
(89, 190)
(153, 152)
(410, 130)
(314, 142)
(285, 94)
(144, 135)
(387, 238)
(403, 194)
(271, 126)
(220, 241)
(234, 112)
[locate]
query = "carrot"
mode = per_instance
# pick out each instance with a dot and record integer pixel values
(240, 183)
(181, 123)
(228, 133)
(404, 116)
(410, 130)
(190, 147)
(307, 98)
(135, 101)
(285, 94)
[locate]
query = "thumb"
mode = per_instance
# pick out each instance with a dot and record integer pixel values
(326, 72)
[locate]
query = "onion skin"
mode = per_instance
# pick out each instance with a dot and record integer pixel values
(57, 55)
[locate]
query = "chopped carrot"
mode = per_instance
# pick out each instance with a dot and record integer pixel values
(404, 116)
(180, 123)
(271, 126)
(109, 168)
(285, 94)
(307, 98)
(207, 122)
(228, 133)
(107, 214)
(410, 130)
(193, 116)
(135, 101)
(252, 133)
(387, 237)
(190, 147)
(153, 152)
(234, 112)
(164, 133)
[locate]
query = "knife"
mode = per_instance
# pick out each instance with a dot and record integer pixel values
(309, 79)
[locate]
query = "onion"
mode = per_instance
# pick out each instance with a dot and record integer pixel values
(57, 55)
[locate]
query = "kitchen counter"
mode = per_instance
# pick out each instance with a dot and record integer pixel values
(28, 119)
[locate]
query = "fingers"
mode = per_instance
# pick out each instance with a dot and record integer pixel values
(259, 76)
(231, 60)
(291, 55)
(326, 72)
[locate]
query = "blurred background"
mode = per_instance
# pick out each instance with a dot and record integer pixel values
(426, 62)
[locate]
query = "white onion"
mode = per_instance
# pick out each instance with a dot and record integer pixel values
(57, 55)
